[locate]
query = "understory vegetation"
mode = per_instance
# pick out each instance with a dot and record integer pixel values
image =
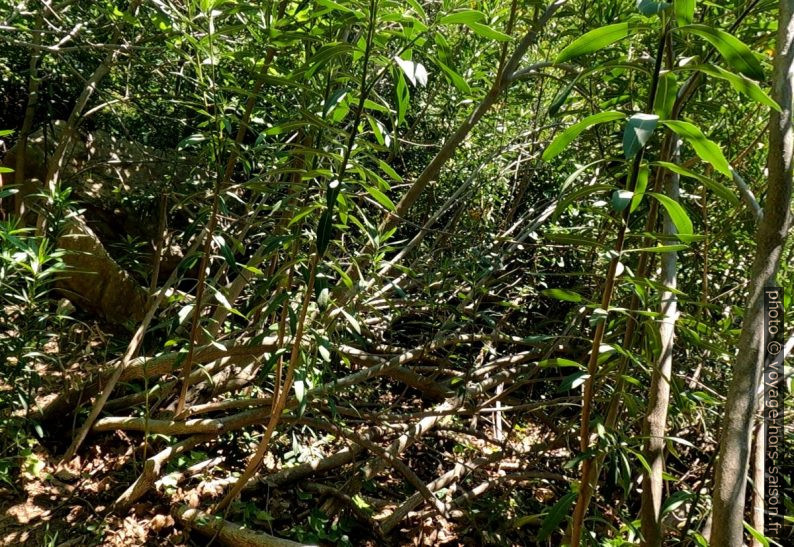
(395, 272)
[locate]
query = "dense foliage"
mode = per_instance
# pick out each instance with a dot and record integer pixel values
(478, 270)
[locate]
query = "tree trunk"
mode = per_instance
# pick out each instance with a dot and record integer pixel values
(734, 453)
(758, 480)
(659, 394)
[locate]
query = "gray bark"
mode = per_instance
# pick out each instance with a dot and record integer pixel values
(659, 393)
(734, 453)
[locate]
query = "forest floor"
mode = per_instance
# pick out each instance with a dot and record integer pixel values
(53, 504)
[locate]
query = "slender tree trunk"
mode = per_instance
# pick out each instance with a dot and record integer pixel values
(34, 82)
(734, 452)
(758, 479)
(592, 465)
(59, 157)
(659, 393)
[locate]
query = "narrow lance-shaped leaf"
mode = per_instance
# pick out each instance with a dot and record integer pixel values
(325, 54)
(740, 83)
(684, 11)
(403, 98)
(463, 17)
(637, 132)
(456, 79)
(595, 40)
(677, 214)
(334, 5)
(639, 189)
(566, 137)
(706, 149)
(733, 50)
(757, 535)
(561, 97)
(324, 228)
(555, 516)
(580, 193)
(475, 21)
(575, 175)
(334, 99)
(562, 294)
(665, 95)
(709, 183)
(418, 9)
(380, 197)
(659, 249)
(487, 32)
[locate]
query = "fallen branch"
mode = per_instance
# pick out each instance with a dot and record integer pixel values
(450, 477)
(152, 469)
(173, 479)
(166, 427)
(228, 533)
(145, 368)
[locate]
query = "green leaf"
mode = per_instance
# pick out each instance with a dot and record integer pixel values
(418, 9)
(324, 228)
(650, 7)
(742, 84)
(659, 249)
(456, 79)
(581, 192)
(334, 99)
(325, 54)
(380, 197)
(709, 183)
(641, 459)
(707, 150)
(463, 17)
(757, 535)
(562, 294)
(351, 320)
(575, 175)
(487, 32)
(416, 72)
(403, 98)
(360, 502)
(676, 213)
(733, 50)
(300, 390)
(559, 362)
(595, 40)
(333, 5)
(190, 141)
(561, 97)
(621, 199)
(555, 516)
(639, 188)
(378, 130)
(388, 170)
(573, 381)
(638, 131)
(372, 105)
(566, 137)
(665, 95)
(684, 11)
(303, 213)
